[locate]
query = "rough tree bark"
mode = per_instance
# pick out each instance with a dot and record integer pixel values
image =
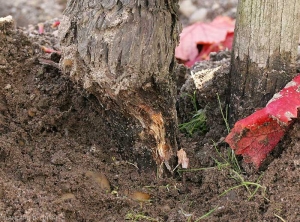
(122, 51)
(264, 53)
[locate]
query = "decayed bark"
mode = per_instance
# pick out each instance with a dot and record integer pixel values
(123, 52)
(264, 52)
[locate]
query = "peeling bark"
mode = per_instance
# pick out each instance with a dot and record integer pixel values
(122, 51)
(264, 53)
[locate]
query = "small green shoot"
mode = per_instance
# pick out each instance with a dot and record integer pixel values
(196, 169)
(232, 165)
(224, 116)
(230, 159)
(206, 215)
(231, 155)
(198, 120)
(189, 215)
(233, 162)
(193, 99)
(245, 184)
(139, 217)
(221, 165)
(197, 123)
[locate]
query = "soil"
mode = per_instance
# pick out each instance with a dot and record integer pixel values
(53, 166)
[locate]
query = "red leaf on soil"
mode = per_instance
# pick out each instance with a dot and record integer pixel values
(284, 105)
(255, 136)
(49, 50)
(41, 29)
(212, 36)
(55, 24)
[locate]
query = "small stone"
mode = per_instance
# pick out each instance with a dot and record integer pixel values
(31, 112)
(199, 15)
(100, 179)
(7, 23)
(187, 8)
(8, 86)
(140, 196)
(2, 61)
(67, 63)
(215, 6)
(165, 208)
(297, 162)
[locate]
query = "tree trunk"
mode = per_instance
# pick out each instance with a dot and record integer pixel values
(122, 51)
(264, 53)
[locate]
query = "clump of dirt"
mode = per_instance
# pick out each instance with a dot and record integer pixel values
(53, 166)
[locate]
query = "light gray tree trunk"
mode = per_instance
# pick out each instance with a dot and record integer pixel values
(264, 52)
(122, 51)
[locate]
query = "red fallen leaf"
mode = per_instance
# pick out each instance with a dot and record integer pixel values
(49, 50)
(255, 136)
(41, 29)
(55, 24)
(210, 35)
(208, 48)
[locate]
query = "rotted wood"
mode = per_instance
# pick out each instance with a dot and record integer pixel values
(122, 51)
(264, 53)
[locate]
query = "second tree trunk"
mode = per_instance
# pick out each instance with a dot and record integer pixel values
(264, 53)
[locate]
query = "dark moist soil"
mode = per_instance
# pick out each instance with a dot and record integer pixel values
(53, 166)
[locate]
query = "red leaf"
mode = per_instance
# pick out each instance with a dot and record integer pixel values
(211, 35)
(55, 24)
(284, 105)
(41, 29)
(255, 136)
(208, 48)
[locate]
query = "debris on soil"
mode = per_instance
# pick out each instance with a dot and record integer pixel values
(140, 196)
(100, 179)
(182, 159)
(255, 136)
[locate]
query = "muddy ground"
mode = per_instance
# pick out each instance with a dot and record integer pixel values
(53, 166)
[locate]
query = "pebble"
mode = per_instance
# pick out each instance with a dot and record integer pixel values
(100, 179)
(187, 8)
(31, 112)
(140, 196)
(215, 6)
(199, 15)
(165, 208)
(8, 86)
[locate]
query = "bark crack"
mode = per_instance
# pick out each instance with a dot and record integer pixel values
(294, 19)
(269, 45)
(250, 36)
(281, 26)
